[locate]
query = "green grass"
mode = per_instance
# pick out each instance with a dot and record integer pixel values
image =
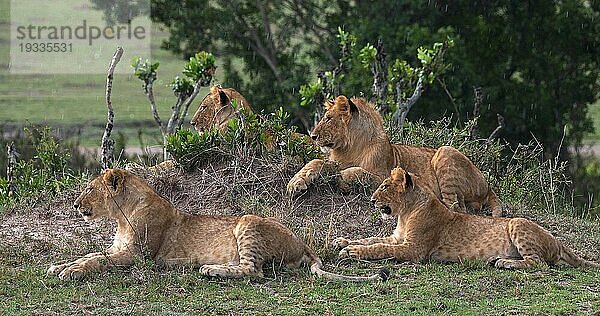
(67, 101)
(468, 288)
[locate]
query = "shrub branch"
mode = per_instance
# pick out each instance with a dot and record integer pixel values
(379, 68)
(107, 143)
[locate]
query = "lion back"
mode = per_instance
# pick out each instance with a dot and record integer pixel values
(457, 175)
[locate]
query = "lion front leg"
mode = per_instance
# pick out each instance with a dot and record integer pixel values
(55, 269)
(97, 263)
(307, 174)
(402, 252)
(356, 174)
(342, 242)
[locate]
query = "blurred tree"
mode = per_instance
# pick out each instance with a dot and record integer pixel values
(268, 48)
(536, 61)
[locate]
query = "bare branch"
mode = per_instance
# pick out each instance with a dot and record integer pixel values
(257, 45)
(185, 109)
(175, 110)
(107, 143)
(197, 86)
(494, 134)
(442, 83)
(150, 94)
(380, 78)
(267, 27)
(404, 106)
(477, 100)
(310, 25)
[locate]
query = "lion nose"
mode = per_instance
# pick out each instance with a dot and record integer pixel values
(76, 206)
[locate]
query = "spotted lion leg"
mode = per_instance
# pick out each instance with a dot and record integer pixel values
(229, 271)
(526, 262)
(534, 244)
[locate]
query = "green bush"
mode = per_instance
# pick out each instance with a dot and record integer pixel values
(47, 172)
(251, 134)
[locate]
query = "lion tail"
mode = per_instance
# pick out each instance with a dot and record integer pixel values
(570, 257)
(316, 267)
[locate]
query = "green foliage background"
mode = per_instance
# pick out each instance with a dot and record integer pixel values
(536, 61)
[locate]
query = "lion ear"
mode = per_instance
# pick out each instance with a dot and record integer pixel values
(399, 178)
(409, 181)
(329, 104)
(114, 179)
(353, 107)
(223, 98)
(219, 96)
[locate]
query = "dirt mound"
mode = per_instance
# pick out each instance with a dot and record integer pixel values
(253, 185)
(237, 186)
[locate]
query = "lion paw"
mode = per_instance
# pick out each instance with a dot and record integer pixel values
(507, 264)
(210, 270)
(353, 251)
(72, 272)
(56, 269)
(340, 243)
(296, 185)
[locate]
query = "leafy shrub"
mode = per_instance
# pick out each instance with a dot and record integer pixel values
(250, 134)
(48, 172)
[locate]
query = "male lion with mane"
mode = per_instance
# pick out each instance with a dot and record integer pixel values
(352, 133)
(427, 229)
(149, 226)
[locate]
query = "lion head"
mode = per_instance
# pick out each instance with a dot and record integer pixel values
(390, 196)
(347, 123)
(104, 195)
(217, 108)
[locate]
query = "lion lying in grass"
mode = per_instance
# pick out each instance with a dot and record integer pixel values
(149, 226)
(352, 133)
(429, 230)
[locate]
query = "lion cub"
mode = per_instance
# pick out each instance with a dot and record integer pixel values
(149, 226)
(429, 230)
(216, 109)
(353, 136)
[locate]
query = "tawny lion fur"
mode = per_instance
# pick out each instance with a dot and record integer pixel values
(427, 229)
(217, 108)
(352, 133)
(149, 226)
